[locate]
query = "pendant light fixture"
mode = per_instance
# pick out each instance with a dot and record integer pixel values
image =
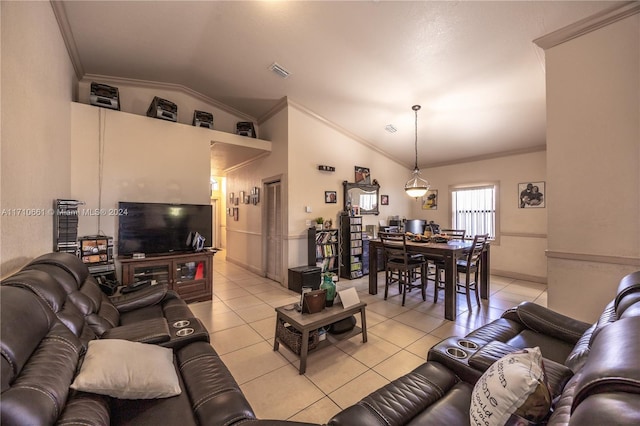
(416, 186)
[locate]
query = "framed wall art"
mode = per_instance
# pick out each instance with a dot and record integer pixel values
(330, 197)
(531, 195)
(362, 175)
(430, 200)
(384, 200)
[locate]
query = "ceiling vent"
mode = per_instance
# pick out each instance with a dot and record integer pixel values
(279, 69)
(390, 128)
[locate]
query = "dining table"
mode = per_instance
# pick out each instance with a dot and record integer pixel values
(449, 252)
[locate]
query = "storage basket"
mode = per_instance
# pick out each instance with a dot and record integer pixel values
(292, 338)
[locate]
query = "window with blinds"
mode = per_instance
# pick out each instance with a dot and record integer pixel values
(474, 210)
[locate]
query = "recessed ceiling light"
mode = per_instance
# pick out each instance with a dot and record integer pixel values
(390, 128)
(280, 70)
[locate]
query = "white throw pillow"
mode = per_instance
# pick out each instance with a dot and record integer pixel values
(506, 387)
(127, 370)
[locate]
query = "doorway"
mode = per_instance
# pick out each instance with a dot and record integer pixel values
(273, 230)
(215, 223)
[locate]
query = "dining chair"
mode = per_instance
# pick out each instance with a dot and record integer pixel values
(401, 266)
(470, 266)
(437, 265)
(455, 234)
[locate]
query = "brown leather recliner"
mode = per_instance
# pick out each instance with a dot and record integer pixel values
(146, 313)
(596, 381)
(40, 356)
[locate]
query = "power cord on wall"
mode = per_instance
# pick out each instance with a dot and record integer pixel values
(102, 123)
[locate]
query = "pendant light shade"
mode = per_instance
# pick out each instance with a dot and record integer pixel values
(416, 186)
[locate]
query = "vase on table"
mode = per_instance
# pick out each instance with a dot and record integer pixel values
(330, 287)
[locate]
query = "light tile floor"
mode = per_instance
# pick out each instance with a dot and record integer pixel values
(241, 321)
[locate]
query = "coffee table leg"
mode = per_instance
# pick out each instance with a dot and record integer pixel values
(304, 351)
(363, 322)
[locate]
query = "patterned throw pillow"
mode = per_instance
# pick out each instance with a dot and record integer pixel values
(515, 385)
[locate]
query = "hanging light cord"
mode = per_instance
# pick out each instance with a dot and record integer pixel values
(415, 109)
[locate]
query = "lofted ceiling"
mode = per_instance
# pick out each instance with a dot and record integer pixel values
(361, 65)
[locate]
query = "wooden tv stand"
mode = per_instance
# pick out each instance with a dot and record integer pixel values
(189, 274)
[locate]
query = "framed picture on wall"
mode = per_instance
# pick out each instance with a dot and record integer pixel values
(330, 197)
(362, 175)
(384, 200)
(531, 195)
(430, 200)
(235, 213)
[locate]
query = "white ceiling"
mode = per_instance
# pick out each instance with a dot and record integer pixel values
(472, 65)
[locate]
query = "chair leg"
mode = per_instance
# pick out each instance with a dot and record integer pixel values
(477, 290)
(468, 287)
(403, 285)
(423, 281)
(386, 283)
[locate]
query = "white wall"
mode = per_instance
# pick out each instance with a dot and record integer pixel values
(136, 96)
(145, 160)
(593, 161)
(311, 143)
(245, 236)
(520, 249)
(37, 87)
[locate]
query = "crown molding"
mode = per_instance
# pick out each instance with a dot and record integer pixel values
(67, 36)
(279, 106)
(168, 86)
(589, 24)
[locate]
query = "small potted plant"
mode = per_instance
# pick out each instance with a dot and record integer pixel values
(319, 222)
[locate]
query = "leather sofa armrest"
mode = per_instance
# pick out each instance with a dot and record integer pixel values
(557, 374)
(139, 299)
(490, 353)
(154, 330)
(548, 322)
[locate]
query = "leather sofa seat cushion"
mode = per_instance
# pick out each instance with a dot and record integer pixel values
(552, 348)
(176, 410)
(404, 399)
(452, 409)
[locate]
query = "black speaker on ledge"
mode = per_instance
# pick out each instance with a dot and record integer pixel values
(202, 119)
(245, 128)
(104, 96)
(163, 109)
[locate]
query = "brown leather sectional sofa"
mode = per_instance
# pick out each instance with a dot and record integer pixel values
(50, 312)
(593, 371)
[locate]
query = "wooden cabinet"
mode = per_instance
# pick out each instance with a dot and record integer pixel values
(189, 274)
(323, 249)
(351, 246)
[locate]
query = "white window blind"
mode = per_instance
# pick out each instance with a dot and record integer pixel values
(474, 210)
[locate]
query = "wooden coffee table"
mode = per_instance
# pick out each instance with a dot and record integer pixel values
(306, 323)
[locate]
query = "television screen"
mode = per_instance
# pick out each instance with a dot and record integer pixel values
(157, 228)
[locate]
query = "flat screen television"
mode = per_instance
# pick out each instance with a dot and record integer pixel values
(161, 228)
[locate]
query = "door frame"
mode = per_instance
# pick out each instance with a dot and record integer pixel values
(284, 248)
